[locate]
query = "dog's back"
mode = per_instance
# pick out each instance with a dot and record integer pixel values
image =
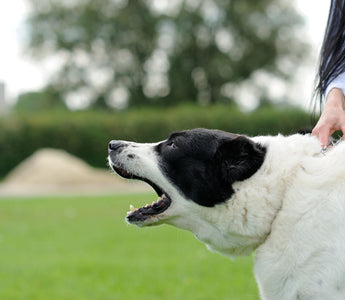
(303, 257)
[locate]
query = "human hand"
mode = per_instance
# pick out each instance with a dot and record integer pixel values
(332, 117)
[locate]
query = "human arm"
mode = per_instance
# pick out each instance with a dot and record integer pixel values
(331, 75)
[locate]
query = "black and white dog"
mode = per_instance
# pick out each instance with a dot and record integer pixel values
(277, 195)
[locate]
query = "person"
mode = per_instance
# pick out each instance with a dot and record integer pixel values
(331, 75)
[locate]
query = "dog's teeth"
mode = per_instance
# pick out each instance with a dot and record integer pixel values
(147, 205)
(128, 213)
(132, 208)
(153, 202)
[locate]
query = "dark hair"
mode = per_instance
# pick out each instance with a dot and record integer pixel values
(332, 55)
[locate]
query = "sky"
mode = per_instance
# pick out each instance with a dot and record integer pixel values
(20, 73)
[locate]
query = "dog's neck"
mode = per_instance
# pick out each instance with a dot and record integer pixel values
(240, 225)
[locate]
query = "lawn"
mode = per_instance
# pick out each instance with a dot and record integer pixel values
(81, 248)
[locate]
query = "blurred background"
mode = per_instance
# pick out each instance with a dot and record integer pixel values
(76, 74)
(100, 45)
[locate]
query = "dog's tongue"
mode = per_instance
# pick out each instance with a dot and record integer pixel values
(141, 214)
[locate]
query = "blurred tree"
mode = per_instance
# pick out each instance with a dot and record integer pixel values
(132, 52)
(46, 99)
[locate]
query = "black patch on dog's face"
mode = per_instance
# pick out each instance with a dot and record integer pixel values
(204, 163)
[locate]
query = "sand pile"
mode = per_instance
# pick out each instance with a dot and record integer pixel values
(52, 171)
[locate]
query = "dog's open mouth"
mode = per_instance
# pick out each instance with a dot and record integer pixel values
(139, 215)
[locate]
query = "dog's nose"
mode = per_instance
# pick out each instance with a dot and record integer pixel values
(115, 145)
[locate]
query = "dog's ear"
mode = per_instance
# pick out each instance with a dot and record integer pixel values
(239, 158)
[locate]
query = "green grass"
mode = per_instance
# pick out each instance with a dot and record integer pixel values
(81, 248)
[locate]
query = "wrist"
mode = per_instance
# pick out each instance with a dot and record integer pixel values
(336, 98)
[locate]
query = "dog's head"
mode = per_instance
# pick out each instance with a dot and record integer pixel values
(194, 168)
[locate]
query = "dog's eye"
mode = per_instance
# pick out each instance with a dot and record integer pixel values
(172, 145)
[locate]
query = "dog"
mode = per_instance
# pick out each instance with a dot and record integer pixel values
(278, 195)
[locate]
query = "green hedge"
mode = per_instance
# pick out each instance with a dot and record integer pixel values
(86, 134)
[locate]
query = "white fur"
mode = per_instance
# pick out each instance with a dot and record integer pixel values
(291, 211)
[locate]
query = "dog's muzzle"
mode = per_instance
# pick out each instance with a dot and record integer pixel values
(117, 162)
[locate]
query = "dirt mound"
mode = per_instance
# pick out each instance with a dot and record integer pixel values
(52, 171)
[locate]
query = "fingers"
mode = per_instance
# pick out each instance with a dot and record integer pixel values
(332, 119)
(322, 133)
(343, 131)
